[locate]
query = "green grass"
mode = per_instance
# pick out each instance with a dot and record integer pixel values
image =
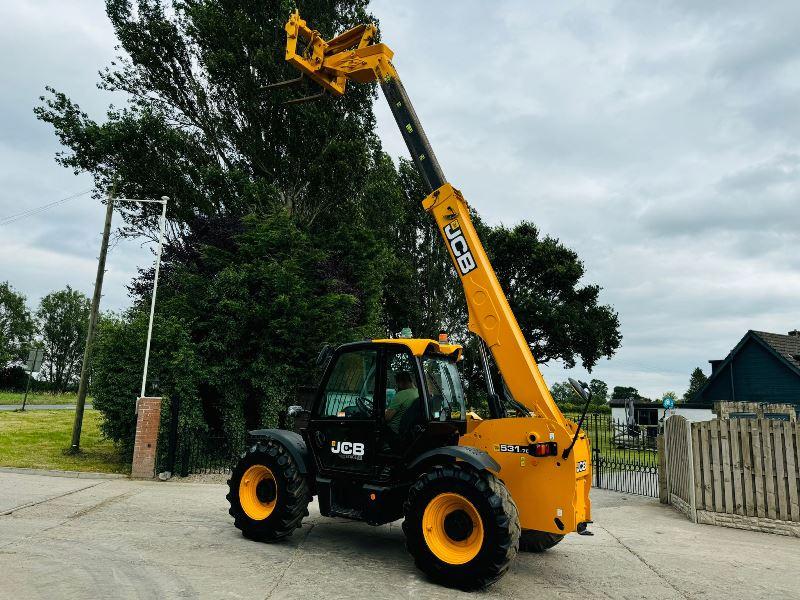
(15, 398)
(38, 440)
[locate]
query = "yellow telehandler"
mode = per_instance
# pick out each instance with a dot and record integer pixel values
(387, 434)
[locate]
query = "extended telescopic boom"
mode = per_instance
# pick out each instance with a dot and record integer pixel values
(354, 56)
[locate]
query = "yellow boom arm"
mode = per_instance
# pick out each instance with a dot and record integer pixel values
(352, 56)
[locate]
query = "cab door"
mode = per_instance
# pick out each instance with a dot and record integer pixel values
(343, 424)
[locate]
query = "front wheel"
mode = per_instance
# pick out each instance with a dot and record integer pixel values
(461, 526)
(268, 496)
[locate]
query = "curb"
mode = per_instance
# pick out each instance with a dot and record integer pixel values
(57, 473)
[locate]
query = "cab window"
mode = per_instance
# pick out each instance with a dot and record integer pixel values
(444, 388)
(404, 407)
(350, 391)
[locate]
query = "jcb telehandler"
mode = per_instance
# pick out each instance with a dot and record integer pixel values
(388, 435)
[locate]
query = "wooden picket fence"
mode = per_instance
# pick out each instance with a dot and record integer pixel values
(746, 467)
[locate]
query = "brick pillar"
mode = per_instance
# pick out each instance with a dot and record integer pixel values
(146, 444)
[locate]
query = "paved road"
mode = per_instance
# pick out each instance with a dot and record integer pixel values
(79, 538)
(42, 406)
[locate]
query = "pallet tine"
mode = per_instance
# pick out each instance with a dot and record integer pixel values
(305, 99)
(283, 84)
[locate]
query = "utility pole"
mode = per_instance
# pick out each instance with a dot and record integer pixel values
(87, 353)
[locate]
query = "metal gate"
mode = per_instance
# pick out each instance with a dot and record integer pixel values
(184, 451)
(624, 455)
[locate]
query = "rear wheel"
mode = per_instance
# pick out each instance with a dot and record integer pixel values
(268, 496)
(461, 526)
(538, 541)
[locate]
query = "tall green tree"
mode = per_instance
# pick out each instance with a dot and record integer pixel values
(116, 372)
(696, 382)
(563, 395)
(273, 317)
(288, 225)
(200, 126)
(422, 290)
(622, 392)
(560, 318)
(272, 244)
(62, 320)
(16, 325)
(599, 391)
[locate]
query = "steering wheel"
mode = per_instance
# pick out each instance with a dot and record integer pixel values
(365, 405)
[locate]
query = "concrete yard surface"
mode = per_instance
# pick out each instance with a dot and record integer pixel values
(64, 537)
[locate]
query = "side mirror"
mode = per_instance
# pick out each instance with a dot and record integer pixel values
(324, 355)
(581, 388)
(296, 411)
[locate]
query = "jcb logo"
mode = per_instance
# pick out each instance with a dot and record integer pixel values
(348, 449)
(458, 244)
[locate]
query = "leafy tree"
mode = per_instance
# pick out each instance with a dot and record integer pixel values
(696, 382)
(569, 402)
(599, 391)
(623, 393)
(289, 226)
(200, 127)
(561, 319)
(115, 383)
(422, 290)
(563, 394)
(274, 312)
(116, 372)
(62, 320)
(16, 325)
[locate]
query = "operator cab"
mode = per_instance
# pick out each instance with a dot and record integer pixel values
(380, 404)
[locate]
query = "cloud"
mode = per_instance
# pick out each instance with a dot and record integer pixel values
(659, 140)
(62, 44)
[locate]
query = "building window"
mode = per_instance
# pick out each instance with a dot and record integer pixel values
(647, 416)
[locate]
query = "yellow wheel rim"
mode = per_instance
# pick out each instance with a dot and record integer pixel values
(258, 492)
(452, 528)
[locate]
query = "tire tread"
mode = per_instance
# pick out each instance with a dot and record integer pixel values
(289, 514)
(503, 518)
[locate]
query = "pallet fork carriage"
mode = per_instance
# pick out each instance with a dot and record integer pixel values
(472, 491)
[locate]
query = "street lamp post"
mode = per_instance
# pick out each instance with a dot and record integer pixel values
(162, 225)
(82, 390)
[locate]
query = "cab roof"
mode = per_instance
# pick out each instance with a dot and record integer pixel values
(419, 346)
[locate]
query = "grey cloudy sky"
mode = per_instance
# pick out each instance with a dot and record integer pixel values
(658, 139)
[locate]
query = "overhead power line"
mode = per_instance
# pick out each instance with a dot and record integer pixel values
(39, 209)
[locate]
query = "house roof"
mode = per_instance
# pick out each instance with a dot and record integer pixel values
(785, 348)
(788, 346)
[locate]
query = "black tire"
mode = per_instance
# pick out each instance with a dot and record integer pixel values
(498, 516)
(290, 493)
(537, 541)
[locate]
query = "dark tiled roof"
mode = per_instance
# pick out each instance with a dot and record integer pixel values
(788, 346)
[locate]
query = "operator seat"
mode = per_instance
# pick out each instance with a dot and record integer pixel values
(398, 443)
(413, 416)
